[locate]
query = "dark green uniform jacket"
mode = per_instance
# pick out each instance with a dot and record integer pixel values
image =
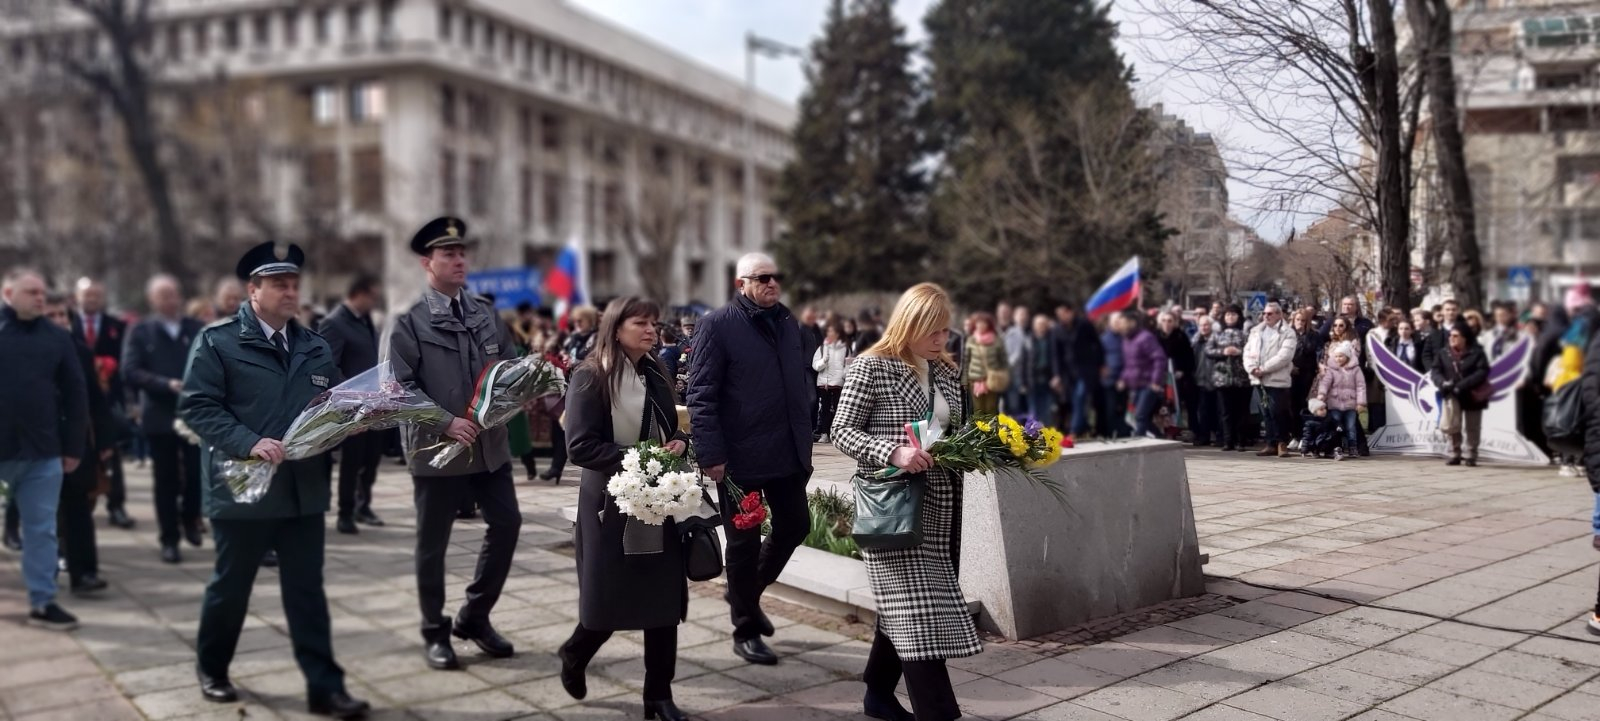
(238, 389)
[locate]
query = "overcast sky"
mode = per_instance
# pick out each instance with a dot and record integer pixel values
(712, 31)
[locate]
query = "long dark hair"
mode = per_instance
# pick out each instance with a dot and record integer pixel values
(608, 358)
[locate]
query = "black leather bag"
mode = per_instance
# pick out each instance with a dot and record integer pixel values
(702, 549)
(1563, 419)
(889, 512)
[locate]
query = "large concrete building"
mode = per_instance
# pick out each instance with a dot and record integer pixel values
(1529, 77)
(538, 123)
(1193, 202)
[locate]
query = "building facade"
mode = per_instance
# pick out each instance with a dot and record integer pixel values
(348, 124)
(1193, 202)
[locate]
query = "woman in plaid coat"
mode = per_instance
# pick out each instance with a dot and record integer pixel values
(922, 615)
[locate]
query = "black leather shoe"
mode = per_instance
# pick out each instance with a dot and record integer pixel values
(217, 690)
(12, 541)
(119, 518)
(192, 534)
(88, 583)
(755, 651)
(440, 656)
(883, 707)
(270, 560)
(766, 623)
(1472, 463)
(664, 710)
(366, 517)
(551, 475)
(572, 676)
(339, 705)
(488, 640)
(169, 554)
(346, 525)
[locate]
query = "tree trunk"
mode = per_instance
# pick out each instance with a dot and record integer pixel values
(1431, 18)
(1382, 85)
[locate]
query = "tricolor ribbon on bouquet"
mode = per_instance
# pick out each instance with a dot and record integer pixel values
(920, 435)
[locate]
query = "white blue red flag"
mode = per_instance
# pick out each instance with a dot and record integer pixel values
(564, 282)
(1120, 291)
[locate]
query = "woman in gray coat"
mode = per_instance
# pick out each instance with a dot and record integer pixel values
(620, 396)
(922, 615)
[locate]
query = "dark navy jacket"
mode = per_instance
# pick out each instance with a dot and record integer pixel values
(749, 395)
(44, 402)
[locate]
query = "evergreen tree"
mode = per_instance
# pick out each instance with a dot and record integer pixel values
(851, 198)
(1046, 184)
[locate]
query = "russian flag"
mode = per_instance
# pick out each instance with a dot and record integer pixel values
(564, 282)
(1120, 291)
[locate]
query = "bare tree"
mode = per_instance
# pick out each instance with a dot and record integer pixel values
(1323, 79)
(652, 230)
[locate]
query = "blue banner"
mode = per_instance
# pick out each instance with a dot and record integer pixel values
(509, 286)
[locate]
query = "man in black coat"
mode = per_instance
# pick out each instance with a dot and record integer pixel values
(153, 362)
(104, 334)
(810, 341)
(1077, 364)
(751, 425)
(75, 516)
(41, 432)
(354, 341)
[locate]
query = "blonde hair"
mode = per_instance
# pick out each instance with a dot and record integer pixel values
(923, 309)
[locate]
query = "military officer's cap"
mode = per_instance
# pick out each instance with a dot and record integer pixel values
(263, 260)
(439, 233)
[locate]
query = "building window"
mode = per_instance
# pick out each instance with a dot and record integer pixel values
(697, 275)
(526, 197)
(552, 201)
(322, 178)
(488, 37)
(325, 104)
(550, 131)
(769, 229)
(480, 115)
(613, 206)
(230, 34)
(736, 227)
(174, 44)
(202, 37)
(589, 206)
(291, 27)
(447, 106)
(525, 127)
(386, 18)
(702, 224)
(478, 170)
(366, 101)
(469, 29)
(352, 22)
(320, 22)
(661, 158)
(446, 22)
(447, 173)
(544, 58)
(263, 30)
(702, 173)
(367, 164)
(602, 269)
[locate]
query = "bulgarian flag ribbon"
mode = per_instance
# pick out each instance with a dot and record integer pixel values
(920, 435)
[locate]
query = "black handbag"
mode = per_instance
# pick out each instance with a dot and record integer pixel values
(702, 549)
(889, 512)
(1563, 419)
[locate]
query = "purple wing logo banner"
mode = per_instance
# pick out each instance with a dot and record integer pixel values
(1415, 406)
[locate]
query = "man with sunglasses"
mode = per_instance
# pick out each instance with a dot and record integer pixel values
(748, 397)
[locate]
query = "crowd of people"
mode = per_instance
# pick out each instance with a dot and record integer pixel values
(190, 386)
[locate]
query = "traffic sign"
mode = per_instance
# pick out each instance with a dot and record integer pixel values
(509, 286)
(1257, 303)
(1520, 276)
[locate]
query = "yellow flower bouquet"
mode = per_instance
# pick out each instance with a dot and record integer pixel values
(997, 444)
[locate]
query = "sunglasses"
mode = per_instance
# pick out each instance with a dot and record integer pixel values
(765, 278)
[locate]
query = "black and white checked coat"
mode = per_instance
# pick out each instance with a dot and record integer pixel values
(920, 604)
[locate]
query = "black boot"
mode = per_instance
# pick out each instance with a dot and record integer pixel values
(885, 706)
(665, 710)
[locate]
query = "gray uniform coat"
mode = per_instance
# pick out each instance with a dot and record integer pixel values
(920, 605)
(441, 358)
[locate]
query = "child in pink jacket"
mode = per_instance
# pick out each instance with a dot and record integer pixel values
(1343, 388)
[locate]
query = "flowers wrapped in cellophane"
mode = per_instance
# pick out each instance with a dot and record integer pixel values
(994, 444)
(372, 401)
(503, 388)
(656, 484)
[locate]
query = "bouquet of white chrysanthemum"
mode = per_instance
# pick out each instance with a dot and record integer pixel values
(655, 484)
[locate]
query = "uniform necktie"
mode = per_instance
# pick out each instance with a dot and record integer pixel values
(455, 310)
(281, 342)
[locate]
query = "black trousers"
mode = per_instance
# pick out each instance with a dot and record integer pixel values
(1235, 416)
(933, 698)
(240, 546)
(558, 448)
(75, 522)
(1275, 410)
(358, 470)
(660, 656)
(117, 493)
(1205, 419)
(176, 465)
(828, 403)
(438, 498)
(753, 564)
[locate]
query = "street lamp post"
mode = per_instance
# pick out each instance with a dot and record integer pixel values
(754, 45)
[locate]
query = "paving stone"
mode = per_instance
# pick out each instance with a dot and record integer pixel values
(1358, 688)
(1289, 703)
(992, 698)
(995, 659)
(1068, 712)
(1136, 701)
(1427, 704)
(1414, 671)
(1201, 680)
(1497, 689)
(1444, 650)
(1571, 707)
(1223, 627)
(1360, 633)
(1058, 678)
(1172, 641)
(1258, 664)
(790, 675)
(1119, 659)
(1492, 638)
(1539, 669)
(1269, 614)
(1307, 602)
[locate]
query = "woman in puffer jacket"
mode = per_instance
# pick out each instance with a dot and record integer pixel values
(829, 362)
(1344, 389)
(1226, 351)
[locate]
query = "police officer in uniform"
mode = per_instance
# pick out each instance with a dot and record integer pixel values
(438, 348)
(248, 377)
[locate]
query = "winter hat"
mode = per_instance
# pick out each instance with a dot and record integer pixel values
(1577, 296)
(1315, 404)
(1346, 349)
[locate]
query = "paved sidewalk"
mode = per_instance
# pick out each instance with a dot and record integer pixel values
(1500, 547)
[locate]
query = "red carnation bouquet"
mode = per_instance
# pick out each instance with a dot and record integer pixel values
(752, 512)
